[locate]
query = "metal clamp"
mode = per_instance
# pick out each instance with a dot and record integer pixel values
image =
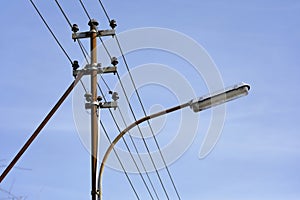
(100, 70)
(111, 104)
(90, 104)
(87, 34)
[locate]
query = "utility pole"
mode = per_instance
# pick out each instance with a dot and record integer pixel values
(94, 106)
(93, 101)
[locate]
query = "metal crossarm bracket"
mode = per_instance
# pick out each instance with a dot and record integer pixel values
(100, 70)
(105, 70)
(90, 104)
(110, 32)
(87, 34)
(112, 104)
(81, 35)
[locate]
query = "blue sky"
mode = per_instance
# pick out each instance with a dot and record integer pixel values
(257, 156)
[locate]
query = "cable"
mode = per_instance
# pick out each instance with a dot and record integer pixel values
(103, 8)
(140, 103)
(49, 115)
(142, 136)
(128, 149)
(130, 104)
(83, 50)
(51, 32)
(126, 174)
(135, 147)
(105, 48)
(144, 111)
(139, 156)
(86, 12)
(85, 90)
(122, 166)
(63, 13)
(104, 82)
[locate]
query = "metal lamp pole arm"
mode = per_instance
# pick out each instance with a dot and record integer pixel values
(110, 148)
(197, 105)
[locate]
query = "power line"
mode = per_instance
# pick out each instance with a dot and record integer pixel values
(105, 48)
(103, 8)
(143, 108)
(57, 41)
(132, 141)
(135, 147)
(131, 80)
(110, 110)
(63, 13)
(161, 182)
(83, 49)
(139, 156)
(135, 163)
(122, 166)
(86, 12)
(50, 114)
(142, 136)
(144, 111)
(85, 90)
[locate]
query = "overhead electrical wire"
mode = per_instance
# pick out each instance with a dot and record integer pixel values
(57, 41)
(132, 141)
(139, 156)
(85, 52)
(104, 46)
(104, 10)
(85, 10)
(52, 111)
(142, 136)
(127, 147)
(148, 122)
(140, 101)
(143, 108)
(83, 6)
(122, 166)
(83, 49)
(134, 145)
(62, 11)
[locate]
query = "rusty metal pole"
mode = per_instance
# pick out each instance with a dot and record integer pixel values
(40, 127)
(94, 107)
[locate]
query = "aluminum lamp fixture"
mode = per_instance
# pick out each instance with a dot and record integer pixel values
(219, 97)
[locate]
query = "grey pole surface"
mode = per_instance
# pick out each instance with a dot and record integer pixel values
(94, 118)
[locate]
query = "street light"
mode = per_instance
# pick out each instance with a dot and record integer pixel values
(196, 105)
(220, 97)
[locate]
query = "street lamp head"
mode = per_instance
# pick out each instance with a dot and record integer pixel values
(219, 97)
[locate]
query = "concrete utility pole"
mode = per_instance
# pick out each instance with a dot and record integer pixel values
(94, 106)
(93, 101)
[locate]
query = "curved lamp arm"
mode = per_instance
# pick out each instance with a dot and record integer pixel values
(197, 105)
(110, 148)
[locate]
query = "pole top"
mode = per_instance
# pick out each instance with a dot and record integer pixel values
(93, 22)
